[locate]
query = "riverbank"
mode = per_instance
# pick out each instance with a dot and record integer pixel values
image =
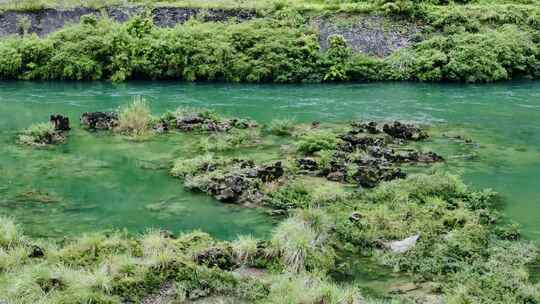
(279, 43)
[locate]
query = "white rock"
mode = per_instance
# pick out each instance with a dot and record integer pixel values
(403, 245)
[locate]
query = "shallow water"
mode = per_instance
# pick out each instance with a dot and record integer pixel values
(99, 182)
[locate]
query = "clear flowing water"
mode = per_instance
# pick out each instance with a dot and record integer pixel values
(97, 182)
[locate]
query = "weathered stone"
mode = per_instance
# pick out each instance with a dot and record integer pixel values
(355, 217)
(369, 127)
(368, 34)
(404, 131)
(403, 245)
(308, 164)
(221, 257)
(99, 120)
(337, 176)
(45, 21)
(37, 252)
(61, 123)
(271, 172)
(161, 126)
(369, 177)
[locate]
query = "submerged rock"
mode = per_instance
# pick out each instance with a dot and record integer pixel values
(370, 127)
(414, 157)
(61, 123)
(99, 120)
(404, 131)
(403, 245)
(352, 142)
(203, 121)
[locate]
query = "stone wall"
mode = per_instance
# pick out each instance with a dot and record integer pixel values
(373, 35)
(49, 20)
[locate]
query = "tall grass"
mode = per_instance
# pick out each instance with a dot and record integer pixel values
(282, 127)
(301, 241)
(38, 134)
(10, 233)
(135, 119)
(245, 248)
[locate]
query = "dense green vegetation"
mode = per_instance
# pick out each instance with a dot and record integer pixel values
(461, 254)
(472, 43)
(465, 251)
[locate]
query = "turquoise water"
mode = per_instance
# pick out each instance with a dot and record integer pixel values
(99, 182)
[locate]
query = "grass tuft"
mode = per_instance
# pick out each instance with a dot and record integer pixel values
(135, 119)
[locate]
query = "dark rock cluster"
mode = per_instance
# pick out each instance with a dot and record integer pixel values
(61, 123)
(240, 182)
(99, 120)
(365, 155)
(201, 123)
(221, 257)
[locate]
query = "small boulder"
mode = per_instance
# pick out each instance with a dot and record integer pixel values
(270, 173)
(355, 217)
(37, 252)
(221, 257)
(308, 164)
(61, 123)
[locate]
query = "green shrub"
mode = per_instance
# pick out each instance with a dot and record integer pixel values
(482, 57)
(228, 141)
(336, 59)
(291, 196)
(315, 141)
(307, 288)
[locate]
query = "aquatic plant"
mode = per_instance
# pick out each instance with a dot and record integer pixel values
(40, 134)
(10, 233)
(185, 167)
(232, 140)
(135, 119)
(281, 127)
(315, 141)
